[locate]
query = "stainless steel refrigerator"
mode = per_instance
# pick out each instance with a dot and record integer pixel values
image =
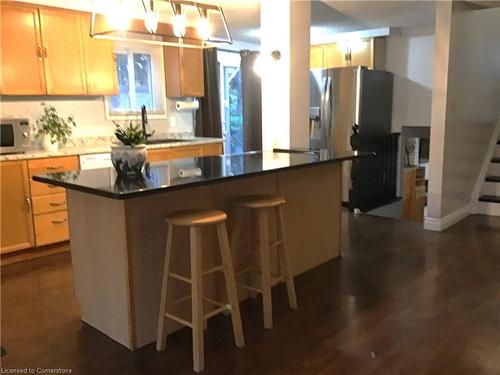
(341, 98)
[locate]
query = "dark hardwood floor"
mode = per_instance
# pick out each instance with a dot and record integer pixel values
(400, 301)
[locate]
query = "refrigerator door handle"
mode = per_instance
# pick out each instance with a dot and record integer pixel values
(326, 111)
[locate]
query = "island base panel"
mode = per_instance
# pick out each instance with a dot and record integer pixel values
(118, 270)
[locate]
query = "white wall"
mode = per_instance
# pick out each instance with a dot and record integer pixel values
(409, 57)
(89, 114)
(285, 84)
(466, 104)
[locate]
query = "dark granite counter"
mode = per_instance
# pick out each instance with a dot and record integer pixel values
(176, 174)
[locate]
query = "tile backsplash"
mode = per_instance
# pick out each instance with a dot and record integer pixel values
(89, 113)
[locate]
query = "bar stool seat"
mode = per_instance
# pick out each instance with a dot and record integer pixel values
(194, 220)
(264, 206)
(260, 201)
(195, 217)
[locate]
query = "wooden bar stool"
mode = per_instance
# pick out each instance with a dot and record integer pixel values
(263, 205)
(194, 220)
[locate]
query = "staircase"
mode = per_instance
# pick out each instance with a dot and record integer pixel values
(489, 200)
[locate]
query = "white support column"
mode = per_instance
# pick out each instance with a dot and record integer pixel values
(285, 84)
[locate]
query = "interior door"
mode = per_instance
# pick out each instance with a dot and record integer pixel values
(63, 52)
(16, 221)
(22, 70)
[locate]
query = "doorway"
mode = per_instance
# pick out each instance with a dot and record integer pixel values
(231, 101)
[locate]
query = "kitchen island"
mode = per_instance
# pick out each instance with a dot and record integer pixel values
(118, 233)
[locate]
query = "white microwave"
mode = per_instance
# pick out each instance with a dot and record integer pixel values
(14, 135)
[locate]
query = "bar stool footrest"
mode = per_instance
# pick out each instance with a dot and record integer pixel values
(221, 307)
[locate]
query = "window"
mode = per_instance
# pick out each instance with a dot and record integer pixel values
(140, 82)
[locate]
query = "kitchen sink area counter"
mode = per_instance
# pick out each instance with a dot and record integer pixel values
(118, 233)
(106, 147)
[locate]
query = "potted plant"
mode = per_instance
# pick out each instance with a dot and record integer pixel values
(129, 156)
(53, 129)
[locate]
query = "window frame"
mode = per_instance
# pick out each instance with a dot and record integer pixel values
(157, 80)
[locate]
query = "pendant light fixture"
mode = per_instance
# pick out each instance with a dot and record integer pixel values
(151, 17)
(179, 23)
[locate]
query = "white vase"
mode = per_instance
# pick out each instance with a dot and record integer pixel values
(47, 145)
(128, 160)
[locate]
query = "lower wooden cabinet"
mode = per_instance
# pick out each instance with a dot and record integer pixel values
(185, 152)
(16, 225)
(49, 203)
(35, 214)
(50, 216)
(51, 228)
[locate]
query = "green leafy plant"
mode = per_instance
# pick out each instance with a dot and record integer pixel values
(53, 125)
(132, 135)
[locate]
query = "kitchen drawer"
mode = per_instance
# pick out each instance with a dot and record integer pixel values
(212, 149)
(175, 153)
(187, 152)
(51, 228)
(49, 203)
(39, 189)
(52, 165)
(159, 154)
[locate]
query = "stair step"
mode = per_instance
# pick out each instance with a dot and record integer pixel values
(495, 160)
(493, 178)
(489, 198)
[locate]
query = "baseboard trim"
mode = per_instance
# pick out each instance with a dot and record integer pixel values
(441, 224)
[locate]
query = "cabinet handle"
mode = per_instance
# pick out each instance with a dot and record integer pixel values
(51, 168)
(28, 201)
(57, 204)
(60, 221)
(45, 52)
(39, 53)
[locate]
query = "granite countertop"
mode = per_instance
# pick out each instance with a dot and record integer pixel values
(101, 148)
(176, 174)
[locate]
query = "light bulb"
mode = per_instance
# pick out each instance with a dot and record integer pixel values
(151, 19)
(118, 15)
(204, 28)
(179, 24)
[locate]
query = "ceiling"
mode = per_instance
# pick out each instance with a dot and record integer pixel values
(332, 17)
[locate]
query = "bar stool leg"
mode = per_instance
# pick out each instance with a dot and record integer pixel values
(290, 286)
(197, 298)
(265, 267)
(230, 284)
(162, 332)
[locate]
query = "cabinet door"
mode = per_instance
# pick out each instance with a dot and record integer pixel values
(362, 53)
(316, 57)
(63, 52)
(184, 71)
(16, 225)
(192, 80)
(334, 56)
(100, 64)
(21, 70)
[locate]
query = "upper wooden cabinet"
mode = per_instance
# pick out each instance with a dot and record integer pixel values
(317, 53)
(16, 224)
(49, 51)
(184, 71)
(21, 54)
(63, 52)
(334, 56)
(365, 52)
(100, 63)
